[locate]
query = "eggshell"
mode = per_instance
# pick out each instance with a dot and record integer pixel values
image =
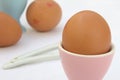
(87, 33)
(43, 15)
(10, 31)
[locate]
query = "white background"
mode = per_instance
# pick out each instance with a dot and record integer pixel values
(52, 70)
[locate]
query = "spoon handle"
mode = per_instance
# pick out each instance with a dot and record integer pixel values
(40, 58)
(37, 52)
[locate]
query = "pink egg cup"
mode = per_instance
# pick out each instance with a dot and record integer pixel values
(85, 67)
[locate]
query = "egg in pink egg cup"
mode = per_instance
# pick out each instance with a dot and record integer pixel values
(85, 67)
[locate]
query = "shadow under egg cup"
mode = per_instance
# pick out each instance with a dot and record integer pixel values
(85, 67)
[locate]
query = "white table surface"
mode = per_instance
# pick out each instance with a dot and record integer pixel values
(52, 70)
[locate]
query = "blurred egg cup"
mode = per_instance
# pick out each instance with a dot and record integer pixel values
(14, 8)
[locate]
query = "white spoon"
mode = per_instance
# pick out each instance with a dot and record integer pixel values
(34, 56)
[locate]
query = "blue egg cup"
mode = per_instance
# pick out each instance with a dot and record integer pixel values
(14, 8)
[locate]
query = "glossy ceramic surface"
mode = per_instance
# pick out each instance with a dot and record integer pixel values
(85, 67)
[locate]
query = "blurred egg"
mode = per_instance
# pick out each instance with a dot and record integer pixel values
(43, 15)
(10, 31)
(87, 33)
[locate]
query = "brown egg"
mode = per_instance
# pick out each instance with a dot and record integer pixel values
(10, 31)
(44, 15)
(87, 33)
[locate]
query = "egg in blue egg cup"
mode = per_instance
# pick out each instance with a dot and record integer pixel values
(14, 8)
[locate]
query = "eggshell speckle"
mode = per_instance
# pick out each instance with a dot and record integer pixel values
(44, 15)
(88, 33)
(10, 31)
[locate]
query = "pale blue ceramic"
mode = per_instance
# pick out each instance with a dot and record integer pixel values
(14, 8)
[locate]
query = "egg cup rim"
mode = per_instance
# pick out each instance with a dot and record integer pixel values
(110, 52)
